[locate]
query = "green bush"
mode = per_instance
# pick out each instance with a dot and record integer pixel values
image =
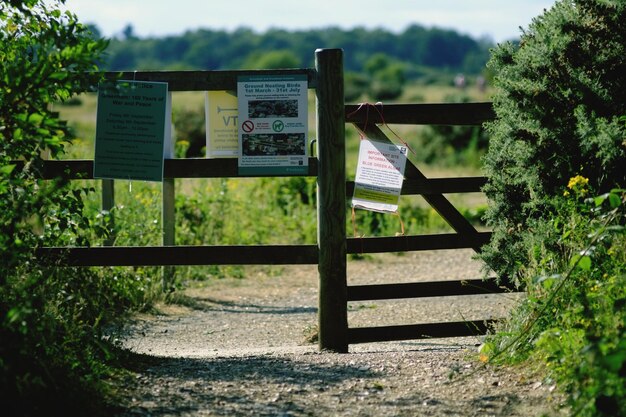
(387, 77)
(52, 350)
(559, 96)
(275, 59)
(355, 86)
(190, 132)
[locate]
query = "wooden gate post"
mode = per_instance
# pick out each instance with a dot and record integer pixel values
(331, 201)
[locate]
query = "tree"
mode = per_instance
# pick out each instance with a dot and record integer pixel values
(557, 167)
(129, 32)
(45, 54)
(218, 49)
(387, 77)
(273, 60)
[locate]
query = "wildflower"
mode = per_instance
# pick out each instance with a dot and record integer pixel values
(579, 185)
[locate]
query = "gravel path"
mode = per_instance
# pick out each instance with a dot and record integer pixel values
(242, 347)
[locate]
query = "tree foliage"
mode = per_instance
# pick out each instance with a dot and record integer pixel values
(560, 94)
(219, 50)
(44, 54)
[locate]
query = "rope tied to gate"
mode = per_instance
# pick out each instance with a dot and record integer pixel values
(361, 236)
(367, 106)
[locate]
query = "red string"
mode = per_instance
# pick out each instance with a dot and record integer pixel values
(367, 112)
(382, 118)
(362, 133)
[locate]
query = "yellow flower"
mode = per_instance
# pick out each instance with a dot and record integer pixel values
(577, 181)
(579, 185)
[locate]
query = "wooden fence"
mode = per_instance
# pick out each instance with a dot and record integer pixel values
(332, 247)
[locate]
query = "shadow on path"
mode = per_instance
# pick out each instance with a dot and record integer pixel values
(215, 304)
(255, 385)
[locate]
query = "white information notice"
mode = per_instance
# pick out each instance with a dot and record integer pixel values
(379, 176)
(273, 124)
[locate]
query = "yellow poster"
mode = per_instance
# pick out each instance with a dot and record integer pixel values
(221, 124)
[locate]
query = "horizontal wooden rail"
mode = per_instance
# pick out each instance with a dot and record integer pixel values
(206, 80)
(227, 167)
(427, 289)
(180, 255)
(246, 254)
(172, 168)
(421, 114)
(419, 331)
(417, 243)
(435, 186)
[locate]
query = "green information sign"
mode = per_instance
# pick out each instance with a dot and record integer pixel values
(130, 130)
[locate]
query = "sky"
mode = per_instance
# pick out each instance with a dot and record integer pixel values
(499, 20)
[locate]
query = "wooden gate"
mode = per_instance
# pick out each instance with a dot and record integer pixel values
(328, 166)
(432, 191)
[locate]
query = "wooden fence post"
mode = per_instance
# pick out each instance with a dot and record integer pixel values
(331, 201)
(169, 227)
(108, 202)
(168, 209)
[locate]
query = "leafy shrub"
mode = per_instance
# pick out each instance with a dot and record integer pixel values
(275, 59)
(190, 132)
(355, 85)
(52, 353)
(559, 96)
(387, 77)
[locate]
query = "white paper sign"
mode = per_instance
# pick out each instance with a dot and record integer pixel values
(379, 176)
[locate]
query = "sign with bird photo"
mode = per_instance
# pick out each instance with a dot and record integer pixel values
(273, 125)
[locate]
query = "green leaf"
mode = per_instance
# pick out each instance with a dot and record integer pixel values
(35, 118)
(614, 200)
(582, 262)
(548, 282)
(7, 169)
(600, 199)
(616, 360)
(59, 75)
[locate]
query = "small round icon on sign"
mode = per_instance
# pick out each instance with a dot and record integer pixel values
(278, 126)
(248, 126)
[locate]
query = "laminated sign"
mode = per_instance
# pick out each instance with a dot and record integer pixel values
(221, 114)
(379, 176)
(132, 130)
(273, 125)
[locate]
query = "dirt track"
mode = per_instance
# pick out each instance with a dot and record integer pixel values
(243, 347)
